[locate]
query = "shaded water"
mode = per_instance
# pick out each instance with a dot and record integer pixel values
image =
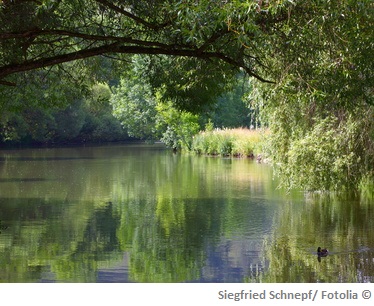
(137, 213)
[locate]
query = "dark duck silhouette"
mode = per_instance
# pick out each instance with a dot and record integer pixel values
(322, 252)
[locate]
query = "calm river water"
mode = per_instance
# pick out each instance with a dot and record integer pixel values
(138, 213)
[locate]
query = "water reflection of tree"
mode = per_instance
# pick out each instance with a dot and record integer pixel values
(45, 238)
(344, 224)
(169, 223)
(167, 246)
(164, 208)
(97, 245)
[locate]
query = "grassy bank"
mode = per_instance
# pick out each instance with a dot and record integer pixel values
(238, 142)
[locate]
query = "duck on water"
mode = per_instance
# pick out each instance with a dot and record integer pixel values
(322, 252)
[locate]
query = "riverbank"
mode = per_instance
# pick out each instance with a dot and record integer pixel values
(239, 142)
(72, 144)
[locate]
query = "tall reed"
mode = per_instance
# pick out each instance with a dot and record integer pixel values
(239, 142)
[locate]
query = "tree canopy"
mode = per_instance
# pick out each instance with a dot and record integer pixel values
(39, 34)
(322, 44)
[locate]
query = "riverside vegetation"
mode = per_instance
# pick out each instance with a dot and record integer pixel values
(239, 142)
(304, 69)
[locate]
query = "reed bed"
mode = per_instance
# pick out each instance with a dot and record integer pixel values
(239, 142)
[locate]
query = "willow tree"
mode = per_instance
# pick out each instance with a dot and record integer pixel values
(321, 110)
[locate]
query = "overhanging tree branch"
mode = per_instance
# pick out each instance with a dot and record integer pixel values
(120, 48)
(74, 34)
(43, 43)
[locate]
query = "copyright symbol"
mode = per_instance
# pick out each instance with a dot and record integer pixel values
(366, 294)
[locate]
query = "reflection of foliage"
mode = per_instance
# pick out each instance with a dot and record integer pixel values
(166, 211)
(171, 214)
(168, 214)
(72, 250)
(85, 254)
(326, 220)
(174, 214)
(158, 256)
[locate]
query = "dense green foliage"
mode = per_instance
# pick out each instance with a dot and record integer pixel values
(332, 155)
(39, 34)
(149, 111)
(72, 116)
(191, 84)
(145, 114)
(134, 104)
(321, 111)
(233, 108)
(179, 126)
(311, 64)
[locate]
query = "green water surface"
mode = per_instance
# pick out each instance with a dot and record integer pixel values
(139, 213)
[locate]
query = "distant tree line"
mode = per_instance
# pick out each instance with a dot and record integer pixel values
(111, 106)
(75, 117)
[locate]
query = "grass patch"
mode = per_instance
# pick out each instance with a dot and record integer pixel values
(238, 142)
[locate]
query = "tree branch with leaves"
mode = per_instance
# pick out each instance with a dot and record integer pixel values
(39, 34)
